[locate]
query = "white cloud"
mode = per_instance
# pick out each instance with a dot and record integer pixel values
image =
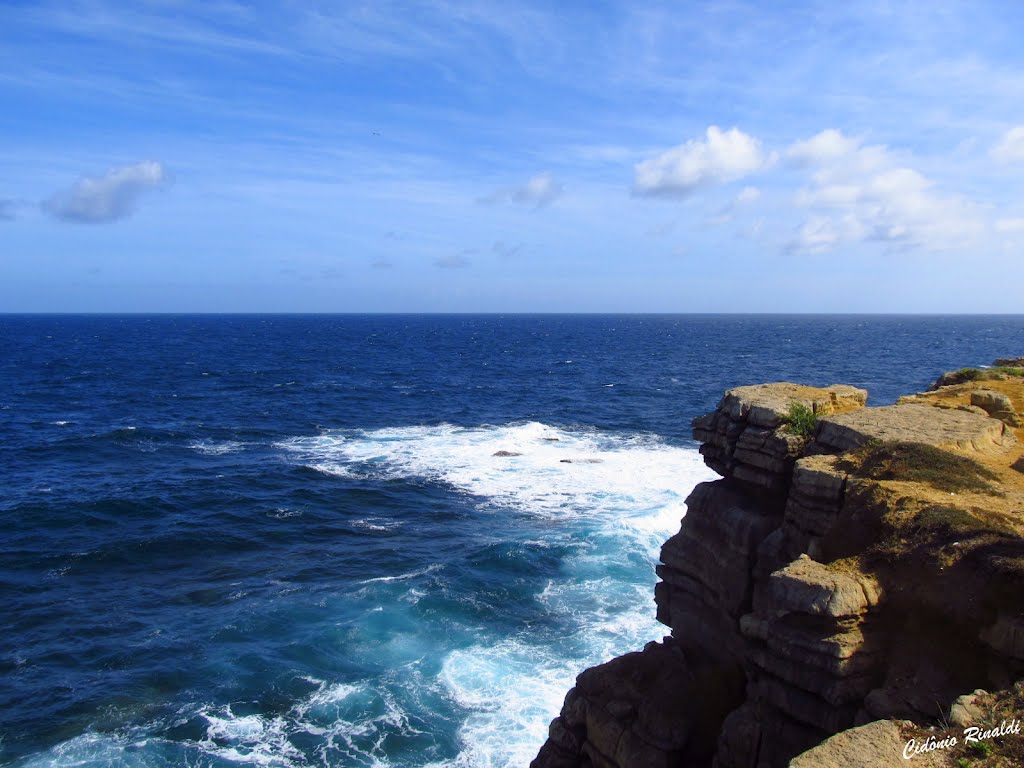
(539, 191)
(452, 261)
(1011, 148)
(1010, 225)
(863, 193)
(110, 197)
(748, 195)
(718, 158)
(821, 233)
(828, 145)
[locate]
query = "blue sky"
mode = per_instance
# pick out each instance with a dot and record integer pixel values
(512, 156)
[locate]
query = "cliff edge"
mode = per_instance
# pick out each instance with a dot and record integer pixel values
(852, 579)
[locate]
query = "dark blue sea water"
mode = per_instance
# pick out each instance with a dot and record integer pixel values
(287, 541)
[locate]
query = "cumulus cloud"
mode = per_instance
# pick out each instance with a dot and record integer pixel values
(453, 261)
(539, 191)
(823, 147)
(1010, 148)
(719, 157)
(863, 193)
(113, 196)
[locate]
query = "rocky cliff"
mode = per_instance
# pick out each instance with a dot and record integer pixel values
(853, 566)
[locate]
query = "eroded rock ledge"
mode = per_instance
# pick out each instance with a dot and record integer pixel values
(866, 568)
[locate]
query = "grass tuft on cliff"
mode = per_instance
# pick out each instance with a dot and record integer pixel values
(964, 375)
(920, 463)
(800, 420)
(996, 752)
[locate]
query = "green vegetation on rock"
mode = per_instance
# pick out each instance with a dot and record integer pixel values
(964, 375)
(800, 420)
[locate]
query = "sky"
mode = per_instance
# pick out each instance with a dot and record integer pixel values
(187, 156)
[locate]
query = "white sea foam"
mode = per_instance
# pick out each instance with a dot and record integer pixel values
(404, 576)
(557, 473)
(283, 513)
(350, 722)
(624, 495)
(88, 749)
(213, 448)
(252, 739)
(331, 468)
(377, 524)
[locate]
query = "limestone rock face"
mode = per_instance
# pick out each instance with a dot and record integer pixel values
(787, 634)
(808, 587)
(650, 709)
(812, 651)
(943, 428)
(706, 567)
(745, 438)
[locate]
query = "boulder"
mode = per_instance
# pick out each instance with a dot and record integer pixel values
(808, 587)
(968, 709)
(875, 745)
(997, 405)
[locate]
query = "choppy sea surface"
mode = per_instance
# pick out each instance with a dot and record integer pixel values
(288, 541)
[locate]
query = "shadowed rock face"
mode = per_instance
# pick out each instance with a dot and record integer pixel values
(790, 620)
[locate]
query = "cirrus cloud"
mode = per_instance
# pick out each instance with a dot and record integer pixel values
(721, 156)
(113, 196)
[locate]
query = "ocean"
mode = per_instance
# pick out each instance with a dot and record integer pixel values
(363, 540)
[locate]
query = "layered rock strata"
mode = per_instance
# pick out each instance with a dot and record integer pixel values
(788, 623)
